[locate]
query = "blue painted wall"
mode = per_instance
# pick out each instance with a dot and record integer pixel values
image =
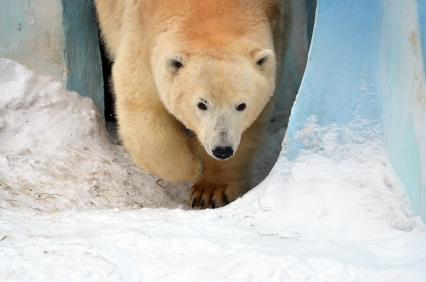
(31, 33)
(343, 56)
(403, 92)
(422, 19)
(367, 62)
(56, 38)
(82, 50)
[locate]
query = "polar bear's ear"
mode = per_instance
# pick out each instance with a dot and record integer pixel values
(261, 57)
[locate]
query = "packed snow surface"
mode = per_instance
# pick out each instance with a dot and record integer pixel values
(71, 206)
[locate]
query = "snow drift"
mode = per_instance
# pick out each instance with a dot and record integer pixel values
(55, 153)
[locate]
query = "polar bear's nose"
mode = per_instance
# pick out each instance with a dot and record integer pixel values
(222, 152)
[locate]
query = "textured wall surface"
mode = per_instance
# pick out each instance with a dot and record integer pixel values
(298, 24)
(367, 62)
(403, 92)
(56, 38)
(31, 33)
(83, 55)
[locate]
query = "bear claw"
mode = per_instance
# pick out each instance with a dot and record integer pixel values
(208, 197)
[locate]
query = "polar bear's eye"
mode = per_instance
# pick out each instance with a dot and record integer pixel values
(262, 57)
(202, 106)
(241, 107)
(261, 61)
(175, 64)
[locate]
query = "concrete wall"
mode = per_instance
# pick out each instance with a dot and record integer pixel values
(403, 92)
(367, 62)
(342, 57)
(298, 24)
(31, 32)
(55, 38)
(82, 50)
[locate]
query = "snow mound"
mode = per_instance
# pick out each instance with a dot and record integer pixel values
(55, 153)
(335, 213)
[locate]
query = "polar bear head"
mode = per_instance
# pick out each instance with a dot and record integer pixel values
(215, 77)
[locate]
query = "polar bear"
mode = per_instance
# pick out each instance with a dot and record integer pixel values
(206, 67)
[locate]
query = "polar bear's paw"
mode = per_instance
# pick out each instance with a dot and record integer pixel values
(206, 196)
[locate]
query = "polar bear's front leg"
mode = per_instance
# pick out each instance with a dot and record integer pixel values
(213, 195)
(225, 181)
(222, 183)
(157, 143)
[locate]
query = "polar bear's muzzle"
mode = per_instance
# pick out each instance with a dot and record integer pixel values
(222, 146)
(220, 136)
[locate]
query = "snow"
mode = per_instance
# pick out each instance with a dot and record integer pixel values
(55, 153)
(70, 205)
